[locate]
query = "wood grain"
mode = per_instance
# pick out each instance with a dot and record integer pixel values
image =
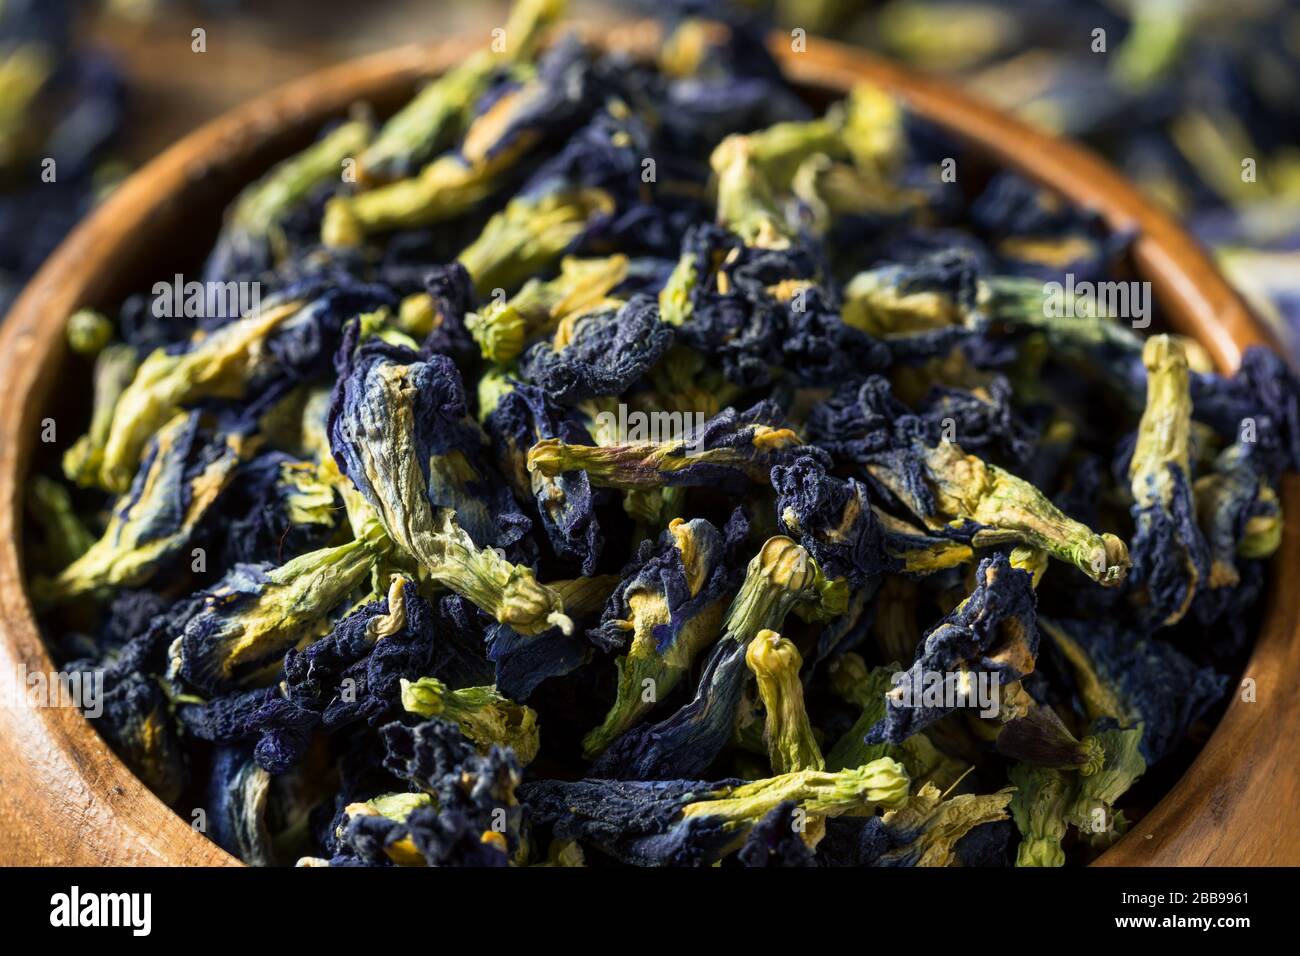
(66, 799)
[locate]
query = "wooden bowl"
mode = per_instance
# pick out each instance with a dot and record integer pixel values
(65, 798)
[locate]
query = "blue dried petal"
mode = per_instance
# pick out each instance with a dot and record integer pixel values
(1152, 682)
(832, 518)
(1166, 540)
(607, 354)
(632, 821)
(522, 662)
(434, 757)
(1262, 395)
(994, 630)
(685, 744)
(776, 841)
(566, 504)
(441, 428)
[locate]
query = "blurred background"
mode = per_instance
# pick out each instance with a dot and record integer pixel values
(1196, 100)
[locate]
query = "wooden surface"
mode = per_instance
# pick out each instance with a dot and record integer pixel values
(65, 798)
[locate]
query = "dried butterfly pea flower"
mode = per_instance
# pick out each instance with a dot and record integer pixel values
(964, 488)
(926, 830)
(237, 797)
(426, 125)
(425, 836)
(88, 332)
(818, 347)
(835, 197)
(523, 661)
(229, 719)
(484, 716)
(136, 722)
(1033, 232)
(509, 592)
(353, 674)
(731, 450)
(694, 823)
(445, 189)
(832, 519)
(371, 832)
(115, 368)
(277, 506)
(775, 840)
(184, 471)
(600, 353)
(255, 815)
(1260, 401)
(746, 202)
(257, 612)
(777, 151)
(787, 733)
(862, 420)
(1135, 680)
(719, 311)
(865, 689)
(667, 608)
(635, 822)
(764, 308)
(1012, 304)
(401, 432)
(513, 123)
(547, 106)
(1041, 739)
(719, 78)
(502, 327)
(687, 742)
(938, 291)
(530, 234)
(914, 552)
(566, 853)
(677, 297)
(1093, 810)
(881, 783)
(1169, 553)
(248, 242)
(851, 680)
(982, 420)
(257, 351)
(608, 153)
(565, 503)
(1039, 807)
(397, 418)
(685, 382)
(755, 170)
(475, 791)
(451, 823)
(451, 296)
(1264, 526)
(1241, 519)
(413, 134)
(134, 710)
(994, 630)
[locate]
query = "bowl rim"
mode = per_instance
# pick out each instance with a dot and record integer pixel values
(91, 809)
